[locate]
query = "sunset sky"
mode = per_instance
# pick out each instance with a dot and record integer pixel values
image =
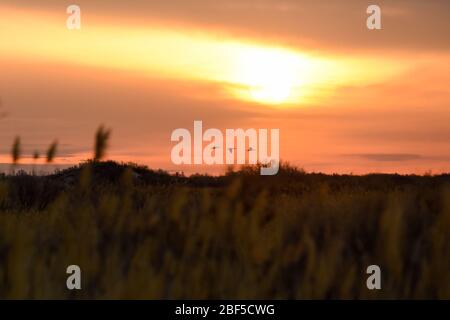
(346, 99)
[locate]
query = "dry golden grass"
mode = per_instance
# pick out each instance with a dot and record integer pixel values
(294, 235)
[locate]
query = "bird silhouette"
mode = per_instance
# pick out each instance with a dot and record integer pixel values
(249, 149)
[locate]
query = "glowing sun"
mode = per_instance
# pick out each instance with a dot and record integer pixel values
(269, 75)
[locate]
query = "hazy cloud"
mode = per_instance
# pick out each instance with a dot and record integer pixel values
(321, 25)
(387, 156)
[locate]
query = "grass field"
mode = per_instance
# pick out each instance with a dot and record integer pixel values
(138, 233)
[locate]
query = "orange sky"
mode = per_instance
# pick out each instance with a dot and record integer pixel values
(345, 99)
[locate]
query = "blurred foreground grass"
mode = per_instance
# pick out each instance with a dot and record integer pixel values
(137, 233)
